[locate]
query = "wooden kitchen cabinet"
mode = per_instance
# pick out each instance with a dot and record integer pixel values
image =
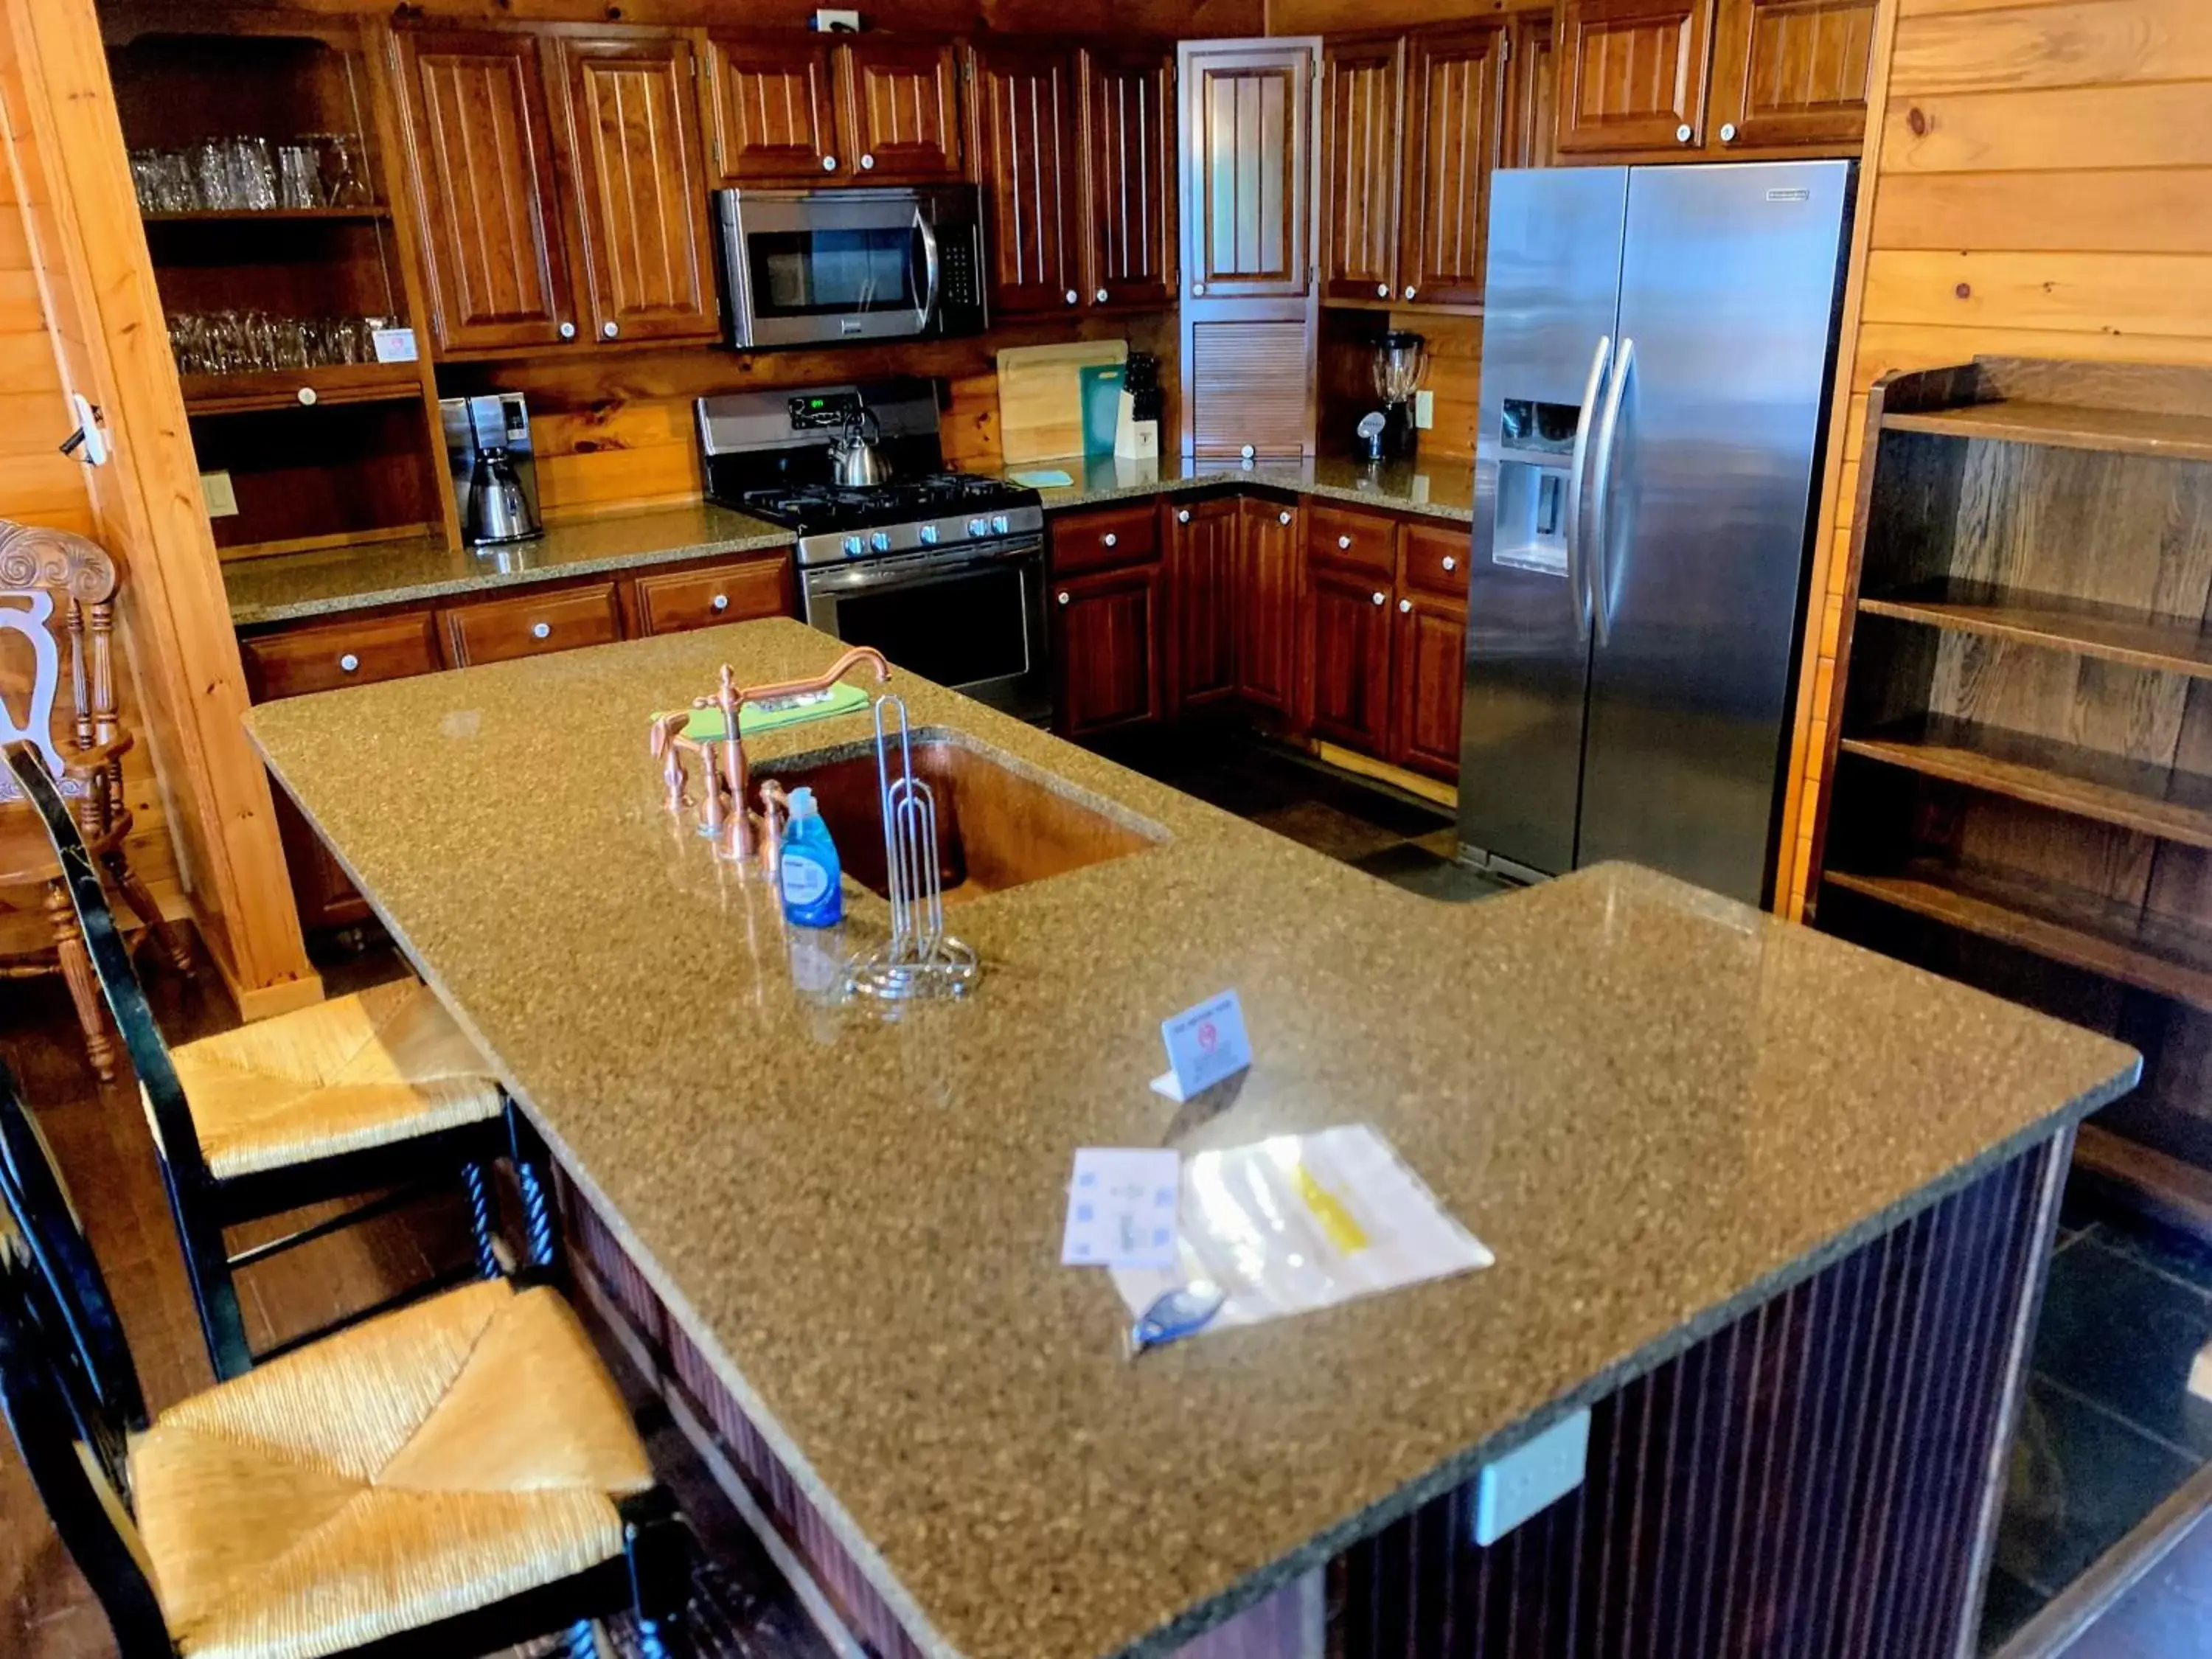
(1791, 73)
(1532, 90)
(531, 624)
(772, 109)
(904, 109)
(1026, 107)
(479, 128)
(1429, 660)
(1351, 654)
(1129, 153)
(1633, 74)
(1106, 630)
(1363, 93)
(1454, 117)
(674, 602)
(1202, 569)
(635, 161)
(1269, 564)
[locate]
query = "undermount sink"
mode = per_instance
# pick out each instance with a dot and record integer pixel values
(997, 827)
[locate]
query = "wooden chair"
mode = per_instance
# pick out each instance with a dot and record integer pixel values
(379, 1092)
(452, 1477)
(56, 588)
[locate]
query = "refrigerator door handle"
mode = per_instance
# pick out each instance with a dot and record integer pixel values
(1577, 587)
(1608, 440)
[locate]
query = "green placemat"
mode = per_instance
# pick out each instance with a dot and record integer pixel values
(705, 725)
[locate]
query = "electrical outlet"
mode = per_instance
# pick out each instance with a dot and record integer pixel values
(836, 22)
(1424, 409)
(218, 495)
(1531, 1478)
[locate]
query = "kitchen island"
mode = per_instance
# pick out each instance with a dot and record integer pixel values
(1775, 1209)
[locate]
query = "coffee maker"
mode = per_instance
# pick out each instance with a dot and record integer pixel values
(1400, 360)
(494, 470)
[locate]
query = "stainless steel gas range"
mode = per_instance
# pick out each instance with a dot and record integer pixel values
(942, 572)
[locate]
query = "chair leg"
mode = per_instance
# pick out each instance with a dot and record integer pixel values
(659, 1549)
(84, 990)
(483, 1218)
(143, 906)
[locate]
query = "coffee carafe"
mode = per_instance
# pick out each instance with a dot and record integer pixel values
(1400, 360)
(498, 510)
(491, 460)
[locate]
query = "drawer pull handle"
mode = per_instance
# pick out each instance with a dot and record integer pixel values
(720, 602)
(348, 663)
(307, 396)
(1282, 518)
(608, 331)
(1450, 563)
(541, 630)
(1063, 596)
(1111, 539)
(867, 164)
(1073, 297)
(1382, 599)
(1100, 297)
(1405, 605)
(1682, 133)
(1344, 541)
(1411, 290)
(829, 164)
(1381, 290)
(1183, 517)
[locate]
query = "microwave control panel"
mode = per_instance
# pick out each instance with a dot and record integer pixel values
(956, 275)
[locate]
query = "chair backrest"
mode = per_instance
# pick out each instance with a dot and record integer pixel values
(66, 1382)
(184, 1166)
(54, 587)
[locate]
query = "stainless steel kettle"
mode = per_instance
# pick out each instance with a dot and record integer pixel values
(856, 459)
(498, 510)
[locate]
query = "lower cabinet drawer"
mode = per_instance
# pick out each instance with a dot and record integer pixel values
(681, 599)
(1361, 541)
(1436, 558)
(533, 624)
(1105, 540)
(303, 660)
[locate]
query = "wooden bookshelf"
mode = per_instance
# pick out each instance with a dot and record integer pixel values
(2018, 787)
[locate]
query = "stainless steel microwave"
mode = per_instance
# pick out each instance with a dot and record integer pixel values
(813, 267)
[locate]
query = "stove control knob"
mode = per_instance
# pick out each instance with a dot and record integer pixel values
(880, 540)
(999, 525)
(979, 527)
(928, 534)
(852, 545)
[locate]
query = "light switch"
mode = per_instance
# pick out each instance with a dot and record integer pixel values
(1531, 1478)
(218, 495)
(1425, 409)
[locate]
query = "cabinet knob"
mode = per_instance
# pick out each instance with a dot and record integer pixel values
(1111, 539)
(1382, 599)
(1248, 452)
(1282, 518)
(1099, 298)
(608, 331)
(348, 663)
(1344, 541)
(1727, 132)
(541, 630)
(829, 164)
(307, 396)
(1073, 297)
(1682, 133)
(1198, 287)
(1183, 517)
(568, 330)
(1063, 596)
(720, 602)
(1411, 290)
(1450, 563)
(867, 164)
(1404, 606)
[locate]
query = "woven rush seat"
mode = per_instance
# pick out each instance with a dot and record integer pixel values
(377, 1066)
(427, 1463)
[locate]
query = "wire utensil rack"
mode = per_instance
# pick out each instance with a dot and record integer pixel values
(920, 958)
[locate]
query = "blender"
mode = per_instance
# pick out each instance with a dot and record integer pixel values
(1400, 360)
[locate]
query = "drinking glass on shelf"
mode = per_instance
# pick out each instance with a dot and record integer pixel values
(211, 176)
(299, 175)
(253, 174)
(345, 184)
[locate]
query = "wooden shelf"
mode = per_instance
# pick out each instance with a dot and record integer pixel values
(2163, 801)
(2081, 930)
(2067, 426)
(269, 216)
(351, 383)
(2172, 645)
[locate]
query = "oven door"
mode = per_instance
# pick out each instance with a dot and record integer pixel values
(971, 618)
(807, 266)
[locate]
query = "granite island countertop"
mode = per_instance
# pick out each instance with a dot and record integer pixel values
(1658, 1108)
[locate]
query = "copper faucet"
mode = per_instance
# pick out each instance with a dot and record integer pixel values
(731, 699)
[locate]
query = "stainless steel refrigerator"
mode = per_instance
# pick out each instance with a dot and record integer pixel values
(1657, 347)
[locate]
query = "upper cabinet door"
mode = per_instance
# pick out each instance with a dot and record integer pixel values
(772, 110)
(1792, 72)
(1455, 105)
(1025, 103)
(1633, 74)
(641, 191)
(1362, 85)
(481, 162)
(1129, 121)
(904, 122)
(1247, 134)
(1532, 92)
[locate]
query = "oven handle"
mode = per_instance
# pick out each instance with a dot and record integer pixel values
(858, 578)
(931, 272)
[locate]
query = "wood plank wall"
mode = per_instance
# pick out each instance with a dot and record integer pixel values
(2037, 183)
(39, 485)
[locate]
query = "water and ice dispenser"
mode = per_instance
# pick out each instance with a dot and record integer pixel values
(1536, 456)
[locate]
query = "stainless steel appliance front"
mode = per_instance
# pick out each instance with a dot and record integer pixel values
(970, 618)
(808, 267)
(1656, 354)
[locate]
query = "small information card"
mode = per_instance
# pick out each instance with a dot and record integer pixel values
(394, 346)
(1205, 1045)
(1122, 1208)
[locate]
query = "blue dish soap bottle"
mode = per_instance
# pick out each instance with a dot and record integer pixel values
(813, 896)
